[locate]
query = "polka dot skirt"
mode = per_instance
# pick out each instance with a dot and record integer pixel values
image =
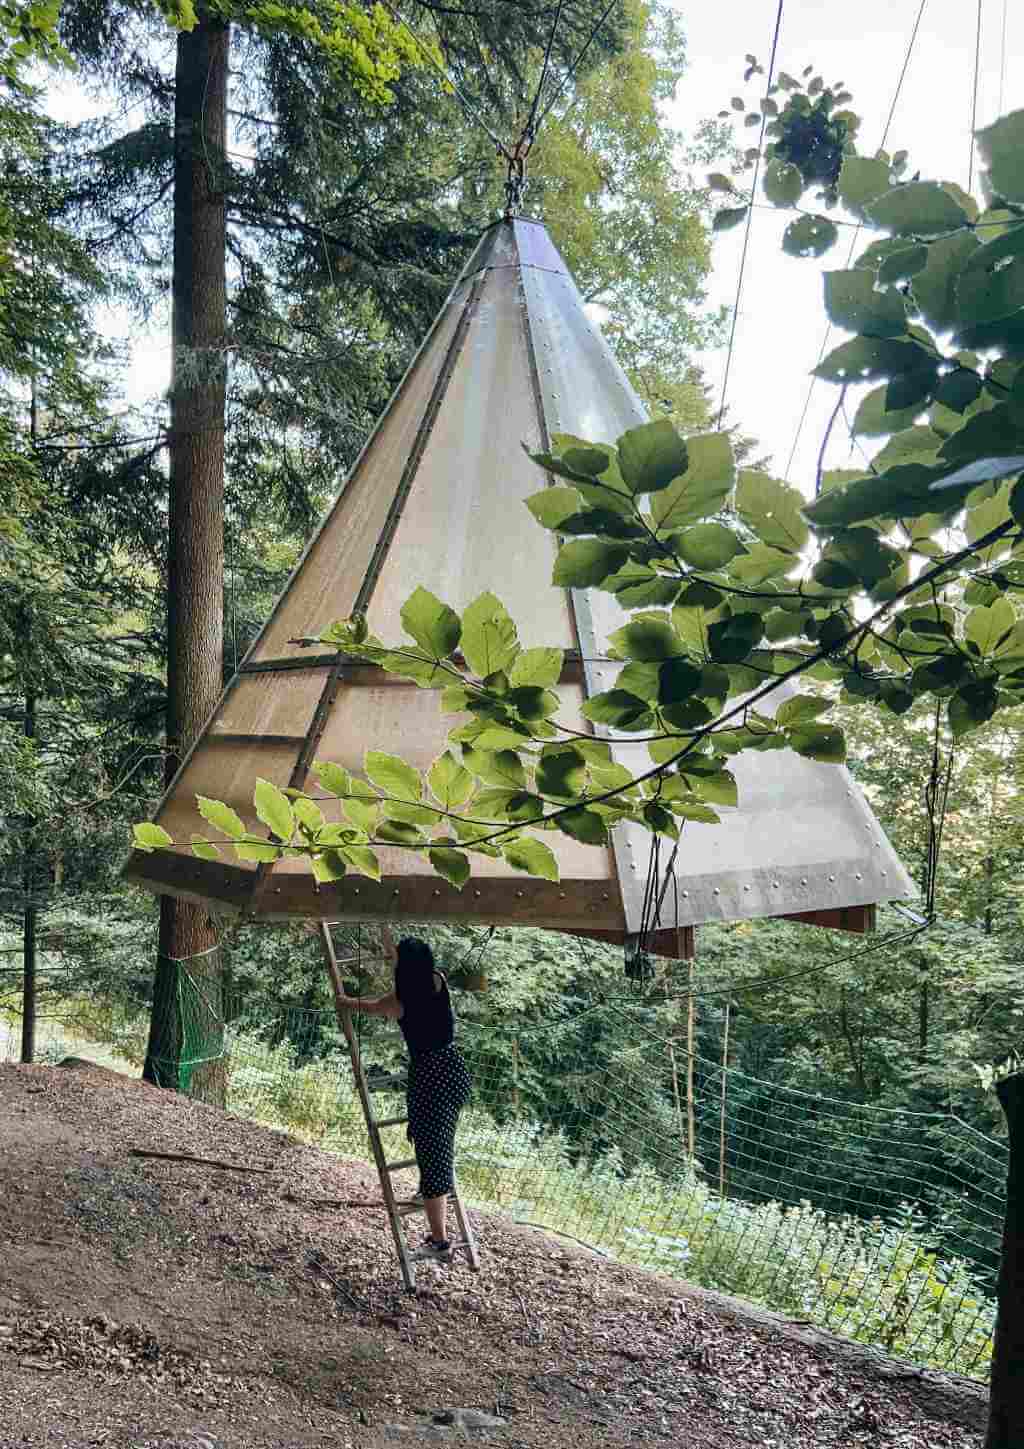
(439, 1086)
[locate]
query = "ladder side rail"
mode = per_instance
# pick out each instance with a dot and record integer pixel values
(345, 1022)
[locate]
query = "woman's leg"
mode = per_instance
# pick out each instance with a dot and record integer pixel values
(437, 1217)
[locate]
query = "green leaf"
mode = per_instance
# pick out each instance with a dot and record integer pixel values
(1002, 149)
(636, 586)
(561, 772)
(489, 640)
(498, 737)
(729, 217)
(809, 236)
(582, 458)
(221, 817)
(703, 488)
(450, 783)
(362, 813)
(362, 859)
(651, 455)
(678, 679)
(619, 710)
(852, 302)
(647, 638)
(586, 562)
(584, 825)
(919, 208)
(935, 288)
(708, 546)
(958, 390)
(532, 856)
(154, 837)
(328, 867)
(985, 627)
(452, 864)
(971, 706)
(856, 556)
(862, 359)
(500, 767)
(273, 808)
(552, 506)
(799, 708)
(435, 627)
(731, 640)
(541, 667)
(783, 183)
(874, 420)
(903, 263)
(203, 849)
(772, 509)
(393, 776)
(759, 564)
(861, 179)
(717, 787)
(254, 849)
(818, 742)
(399, 832)
(309, 815)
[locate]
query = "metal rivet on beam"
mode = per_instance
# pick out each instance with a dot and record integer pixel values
(775, 885)
(803, 880)
(832, 878)
(717, 891)
(746, 888)
(477, 894)
(858, 876)
(686, 895)
(437, 893)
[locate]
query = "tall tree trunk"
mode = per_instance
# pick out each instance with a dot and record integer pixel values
(195, 563)
(29, 913)
(1006, 1394)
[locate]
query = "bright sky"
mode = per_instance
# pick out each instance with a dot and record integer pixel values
(781, 323)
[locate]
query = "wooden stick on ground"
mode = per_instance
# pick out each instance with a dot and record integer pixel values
(199, 1161)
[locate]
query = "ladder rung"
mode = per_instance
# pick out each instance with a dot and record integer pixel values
(385, 1084)
(405, 1209)
(390, 1122)
(397, 1166)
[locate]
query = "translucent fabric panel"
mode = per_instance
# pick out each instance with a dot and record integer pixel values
(281, 703)
(801, 838)
(585, 392)
(464, 528)
(325, 585)
(221, 771)
(407, 721)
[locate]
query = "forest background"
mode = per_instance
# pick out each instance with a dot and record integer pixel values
(347, 219)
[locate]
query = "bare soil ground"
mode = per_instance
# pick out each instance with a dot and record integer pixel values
(150, 1304)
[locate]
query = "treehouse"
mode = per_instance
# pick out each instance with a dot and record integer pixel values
(436, 497)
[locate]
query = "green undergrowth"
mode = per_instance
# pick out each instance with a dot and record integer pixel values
(879, 1282)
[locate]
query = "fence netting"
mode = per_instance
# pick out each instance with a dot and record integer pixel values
(881, 1225)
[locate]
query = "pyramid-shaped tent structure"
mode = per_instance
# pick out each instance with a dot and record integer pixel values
(436, 497)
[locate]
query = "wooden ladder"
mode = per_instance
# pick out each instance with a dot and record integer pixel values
(397, 1211)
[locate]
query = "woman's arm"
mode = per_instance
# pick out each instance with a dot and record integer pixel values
(374, 1005)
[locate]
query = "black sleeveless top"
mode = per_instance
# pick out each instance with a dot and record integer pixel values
(429, 1026)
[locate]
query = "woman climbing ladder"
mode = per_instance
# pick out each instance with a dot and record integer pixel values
(438, 1082)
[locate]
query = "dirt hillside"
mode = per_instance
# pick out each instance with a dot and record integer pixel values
(154, 1304)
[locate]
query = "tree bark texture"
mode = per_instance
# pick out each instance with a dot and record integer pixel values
(29, 911)
(195, 562)
(1006, 1392)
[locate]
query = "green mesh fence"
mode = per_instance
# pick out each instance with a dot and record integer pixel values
(881, 1225)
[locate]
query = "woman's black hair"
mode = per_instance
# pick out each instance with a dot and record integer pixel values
(414, 971)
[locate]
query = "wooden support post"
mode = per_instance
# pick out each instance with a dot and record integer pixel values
(721, 1125)
(677, 1100)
